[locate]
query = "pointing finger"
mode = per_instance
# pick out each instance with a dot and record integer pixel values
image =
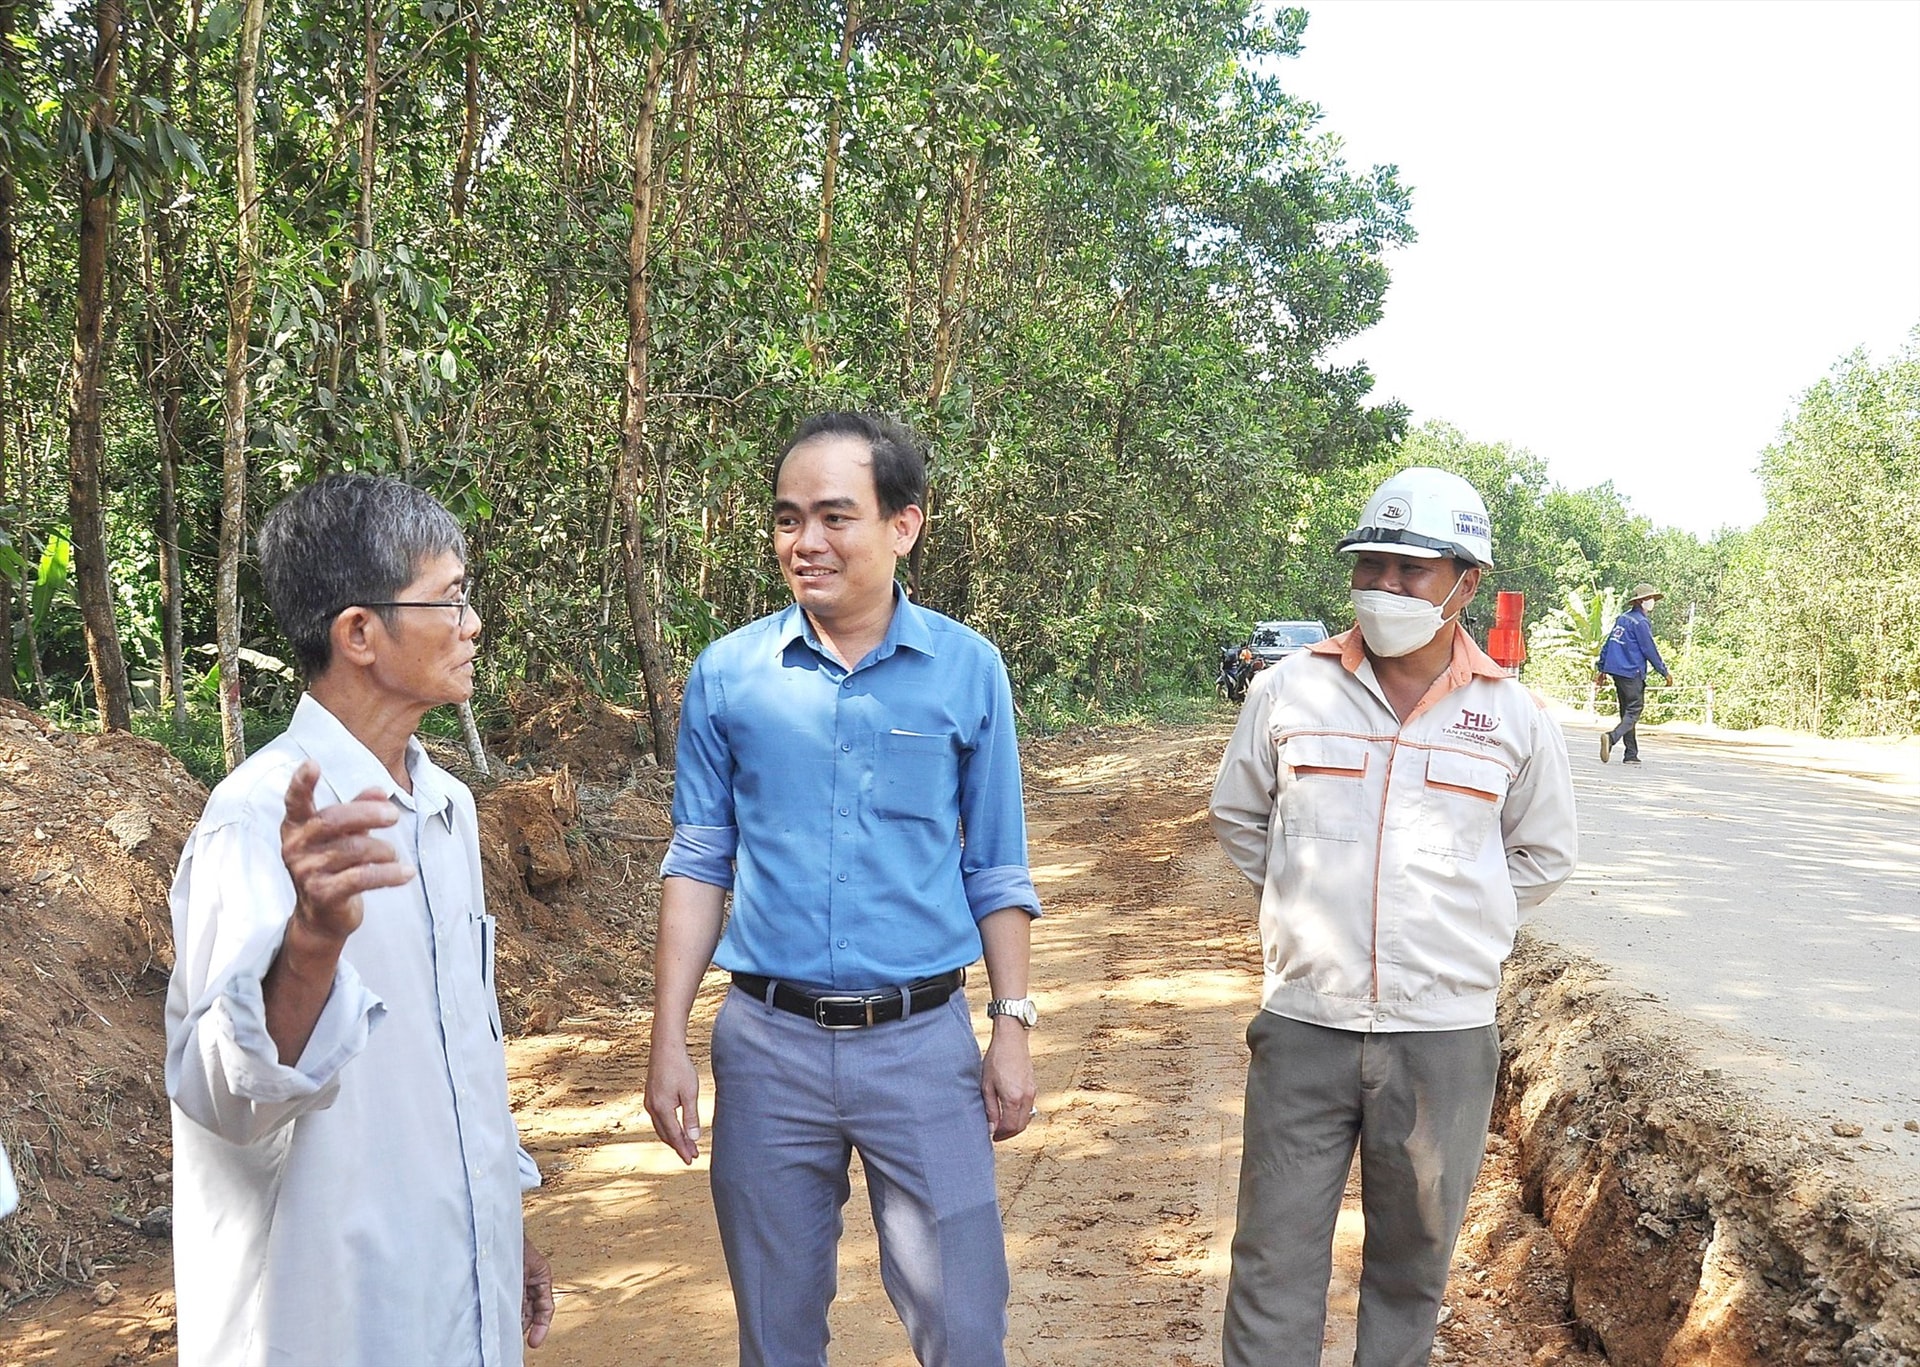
(300, 791)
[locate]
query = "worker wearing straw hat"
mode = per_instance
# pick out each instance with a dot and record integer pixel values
(1624, 659)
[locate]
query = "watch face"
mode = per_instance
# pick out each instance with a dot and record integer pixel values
(1022, 1010)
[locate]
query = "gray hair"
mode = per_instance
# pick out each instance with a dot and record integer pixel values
(342, 540)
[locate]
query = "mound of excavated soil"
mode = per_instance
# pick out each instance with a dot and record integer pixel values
(91, 828)
(1698, 1228)
(565, 722)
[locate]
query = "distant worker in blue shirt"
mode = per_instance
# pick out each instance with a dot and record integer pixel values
(1624, 659)
(831, 757)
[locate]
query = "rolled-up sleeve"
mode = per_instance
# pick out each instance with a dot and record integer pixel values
(993, 861)
(529, 1171)
(705, 836)
(231, 901)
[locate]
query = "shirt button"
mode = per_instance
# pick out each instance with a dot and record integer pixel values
(846, 683)
(843, 811)
(841, 943)
(847, 748)
(1381, 1018)
(843, 878)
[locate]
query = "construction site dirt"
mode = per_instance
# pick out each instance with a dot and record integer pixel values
(1644, 1201)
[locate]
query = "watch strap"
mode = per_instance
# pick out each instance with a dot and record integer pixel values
(1021, 1009)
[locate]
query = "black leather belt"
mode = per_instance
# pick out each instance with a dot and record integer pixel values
(852, 1010)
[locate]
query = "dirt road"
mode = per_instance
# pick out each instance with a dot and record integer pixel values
(1118, 1201)
(1115, 1200)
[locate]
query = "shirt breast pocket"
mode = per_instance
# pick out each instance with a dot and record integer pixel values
(1463, 797)
(485, 930)
(1325, 797)
(915, 777)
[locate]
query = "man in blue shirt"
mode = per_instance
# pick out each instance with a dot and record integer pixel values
(1624, 658)
(831, 757)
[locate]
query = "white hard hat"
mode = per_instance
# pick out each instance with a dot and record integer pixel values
(1425, 513)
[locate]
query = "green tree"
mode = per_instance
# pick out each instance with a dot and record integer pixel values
(1822, 601)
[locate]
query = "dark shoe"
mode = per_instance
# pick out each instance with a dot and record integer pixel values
(1606, 746)
(1631, 759)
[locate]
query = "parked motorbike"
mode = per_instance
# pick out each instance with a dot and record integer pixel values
(1238, 665)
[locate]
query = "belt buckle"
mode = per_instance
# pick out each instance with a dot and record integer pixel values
(820, 1016)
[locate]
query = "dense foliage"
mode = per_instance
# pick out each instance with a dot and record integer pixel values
(1820, 617)
(576, 265)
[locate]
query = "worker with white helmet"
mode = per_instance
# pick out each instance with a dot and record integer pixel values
(1399, 801)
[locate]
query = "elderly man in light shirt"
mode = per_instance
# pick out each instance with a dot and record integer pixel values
(347, 1176)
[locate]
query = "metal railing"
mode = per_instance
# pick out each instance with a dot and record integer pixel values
(1682, 702)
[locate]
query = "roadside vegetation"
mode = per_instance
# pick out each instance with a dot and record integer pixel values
(576, 267)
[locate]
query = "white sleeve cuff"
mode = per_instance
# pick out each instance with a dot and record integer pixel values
(249, 1059)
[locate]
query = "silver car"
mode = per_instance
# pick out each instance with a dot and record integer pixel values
(1274, 641)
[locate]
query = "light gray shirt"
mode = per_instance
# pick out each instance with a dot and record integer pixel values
(363, 1206)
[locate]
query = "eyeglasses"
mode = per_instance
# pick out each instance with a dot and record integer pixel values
(460, 604)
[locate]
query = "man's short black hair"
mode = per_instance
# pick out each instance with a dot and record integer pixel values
(899, 465)
(342, 540)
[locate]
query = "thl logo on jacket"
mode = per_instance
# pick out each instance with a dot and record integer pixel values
(1477, 721)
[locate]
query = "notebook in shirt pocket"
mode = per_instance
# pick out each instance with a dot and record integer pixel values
(915, 777)
(1325, 797)
(1464, 794)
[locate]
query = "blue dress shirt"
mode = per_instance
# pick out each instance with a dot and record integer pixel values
(833, 801)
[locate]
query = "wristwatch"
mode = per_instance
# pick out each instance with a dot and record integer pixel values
(1021, 1009)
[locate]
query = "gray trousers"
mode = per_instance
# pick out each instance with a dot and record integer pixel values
(792, 1101)
(1417, 1104)
(1632, 692)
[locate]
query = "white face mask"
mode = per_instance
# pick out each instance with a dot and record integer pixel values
(1393, 624)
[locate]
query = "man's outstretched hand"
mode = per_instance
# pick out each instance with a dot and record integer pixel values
(334, 856)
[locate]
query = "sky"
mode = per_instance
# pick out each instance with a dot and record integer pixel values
(1645, 229)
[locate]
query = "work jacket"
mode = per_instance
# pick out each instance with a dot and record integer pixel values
(1394, 857)
(1630, 648)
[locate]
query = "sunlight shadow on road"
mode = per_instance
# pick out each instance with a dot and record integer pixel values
(1774, 904)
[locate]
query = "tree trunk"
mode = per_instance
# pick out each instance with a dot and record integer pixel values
(233, 460)
(85, 440)
(363, 234)
(9, 64)
(30, 644)
(829, 178)
(633, 425)
(910, 294)
(161, 240)
(470, 130)
(733, 141)
(160, 366)
(569, 133)
(963, 221)
(686, 104)
(349, 335)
